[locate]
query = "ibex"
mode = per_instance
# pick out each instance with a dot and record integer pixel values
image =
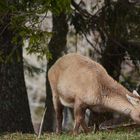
(80, 83)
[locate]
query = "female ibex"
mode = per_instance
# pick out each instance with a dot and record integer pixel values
(80, 83)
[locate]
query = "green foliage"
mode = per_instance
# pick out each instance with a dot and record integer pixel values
(25, 18)
(59, 6)
(121, 20)
(3, 6)
(31, 70)
(1, 54)
(116, 19)
(38, 44)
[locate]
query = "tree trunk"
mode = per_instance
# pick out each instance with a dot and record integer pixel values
(56, 46)
(14, 107)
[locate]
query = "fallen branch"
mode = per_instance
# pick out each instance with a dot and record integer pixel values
(117, 126)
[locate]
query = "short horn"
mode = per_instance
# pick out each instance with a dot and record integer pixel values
(136, 93)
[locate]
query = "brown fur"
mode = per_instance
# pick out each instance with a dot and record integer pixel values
(78, 82)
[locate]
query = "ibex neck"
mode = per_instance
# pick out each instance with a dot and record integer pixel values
(110, 86)
(118, 103)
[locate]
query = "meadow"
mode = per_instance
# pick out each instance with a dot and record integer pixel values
(129, 134)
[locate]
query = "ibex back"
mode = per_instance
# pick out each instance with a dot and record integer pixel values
(80, 83)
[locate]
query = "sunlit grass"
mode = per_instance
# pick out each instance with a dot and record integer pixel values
(105, 135)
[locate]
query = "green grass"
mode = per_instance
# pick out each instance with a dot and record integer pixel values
(106, 135)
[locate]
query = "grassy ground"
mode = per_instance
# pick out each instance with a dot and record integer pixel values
(106, 135)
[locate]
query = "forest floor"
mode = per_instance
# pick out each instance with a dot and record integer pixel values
(129, 134)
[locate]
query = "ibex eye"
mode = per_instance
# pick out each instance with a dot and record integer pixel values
(137, 102)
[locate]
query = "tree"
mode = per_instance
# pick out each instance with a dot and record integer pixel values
(14, 107)
(57, 46)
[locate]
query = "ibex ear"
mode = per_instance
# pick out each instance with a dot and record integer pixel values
(136, 93)
(132, 100)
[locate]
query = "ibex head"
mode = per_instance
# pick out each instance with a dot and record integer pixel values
(135, 101)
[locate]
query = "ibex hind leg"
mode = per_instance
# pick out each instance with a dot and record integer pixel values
(79, 114)
(58, 107)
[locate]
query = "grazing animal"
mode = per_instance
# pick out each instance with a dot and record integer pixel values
(80, 83)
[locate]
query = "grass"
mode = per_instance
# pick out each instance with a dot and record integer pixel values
(105, 135)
